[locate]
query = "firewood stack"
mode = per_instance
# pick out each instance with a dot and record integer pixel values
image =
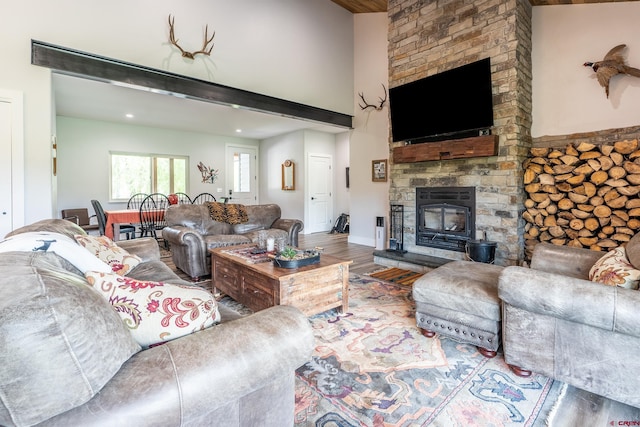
(585, 196)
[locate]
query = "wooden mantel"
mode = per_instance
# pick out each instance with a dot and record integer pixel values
(477, 146)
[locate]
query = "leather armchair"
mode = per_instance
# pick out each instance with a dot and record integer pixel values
(558, 323)
(191, 232)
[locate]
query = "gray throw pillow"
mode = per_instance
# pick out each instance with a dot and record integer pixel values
(60, 341)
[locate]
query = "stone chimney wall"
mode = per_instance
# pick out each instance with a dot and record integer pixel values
(428, 37)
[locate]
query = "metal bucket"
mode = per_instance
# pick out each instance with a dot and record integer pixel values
(481, 251)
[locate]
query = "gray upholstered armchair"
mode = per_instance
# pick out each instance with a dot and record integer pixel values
(558, 323)
(191, 232)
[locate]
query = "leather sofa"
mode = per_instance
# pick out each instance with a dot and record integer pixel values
(191, 232)
(68, 360)
(558, 323)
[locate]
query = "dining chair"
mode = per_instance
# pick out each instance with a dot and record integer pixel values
(126, 229)
(80, 216)
(136, 200)
(203, 198)
(134, 203)
(152, 219)
(183, 198)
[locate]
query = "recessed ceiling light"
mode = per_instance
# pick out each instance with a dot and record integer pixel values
(129, 116)
(238, 130)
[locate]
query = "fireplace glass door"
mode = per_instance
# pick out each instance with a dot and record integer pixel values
(445, 219)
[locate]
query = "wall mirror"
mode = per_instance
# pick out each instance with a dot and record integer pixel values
(288, 175)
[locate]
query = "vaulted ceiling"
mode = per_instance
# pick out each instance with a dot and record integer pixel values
(370, 6)
(83, 98)
(363, 6)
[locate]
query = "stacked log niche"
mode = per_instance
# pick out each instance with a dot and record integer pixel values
(584, 196)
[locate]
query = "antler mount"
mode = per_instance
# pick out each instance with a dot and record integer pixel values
(206, 49)
(375, 107)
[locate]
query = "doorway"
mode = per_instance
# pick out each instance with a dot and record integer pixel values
(242, 174)
(319, 209)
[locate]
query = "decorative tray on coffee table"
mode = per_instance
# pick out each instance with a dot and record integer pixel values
(300, 259)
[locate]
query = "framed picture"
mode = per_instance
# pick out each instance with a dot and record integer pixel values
(379, 170)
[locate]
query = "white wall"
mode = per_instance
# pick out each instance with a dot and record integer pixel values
(318, 143)
(296, 146)
(370, 137)
(83, 157)
(342, 161)
(566, 95)
(300, 50)
(273, 152)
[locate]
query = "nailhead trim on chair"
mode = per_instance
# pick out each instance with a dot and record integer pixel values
(485, 341)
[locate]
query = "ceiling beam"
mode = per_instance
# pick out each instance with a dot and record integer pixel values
(82, 64)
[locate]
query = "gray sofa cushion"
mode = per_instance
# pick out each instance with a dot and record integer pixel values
(633, 251)
(462, 286)
(220, 240)
(60, 342)
(261, 217)
(61, 226)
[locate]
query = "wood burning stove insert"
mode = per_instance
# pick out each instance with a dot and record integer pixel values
(445, 217)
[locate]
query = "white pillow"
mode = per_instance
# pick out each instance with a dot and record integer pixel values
(62, 245)
(156, 312)
(106, 250)
(614, 269)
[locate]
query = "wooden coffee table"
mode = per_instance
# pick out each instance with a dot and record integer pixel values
(259, 285)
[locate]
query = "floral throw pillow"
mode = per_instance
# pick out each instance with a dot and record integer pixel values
(120, 261)
(156, 312)
(614, 269)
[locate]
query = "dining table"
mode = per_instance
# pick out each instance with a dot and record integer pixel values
(117, 217)
(127, 216)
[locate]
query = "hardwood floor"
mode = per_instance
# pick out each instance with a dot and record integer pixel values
(581, 408)
(333, 244)
(337, 245)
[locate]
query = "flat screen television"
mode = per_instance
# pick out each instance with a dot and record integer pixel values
(457, 103)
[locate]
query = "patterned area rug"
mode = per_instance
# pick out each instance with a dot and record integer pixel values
(371, 367)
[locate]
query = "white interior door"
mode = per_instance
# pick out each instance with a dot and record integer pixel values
(320, 203)
(11, 162)
(5, 168)
(242, 174)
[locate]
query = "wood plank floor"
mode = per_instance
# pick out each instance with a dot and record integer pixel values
(337, 245)
(581, 408)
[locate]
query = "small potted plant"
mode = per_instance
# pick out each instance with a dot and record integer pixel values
(291, 257)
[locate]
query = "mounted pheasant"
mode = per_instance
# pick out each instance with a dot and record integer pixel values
(612, 64)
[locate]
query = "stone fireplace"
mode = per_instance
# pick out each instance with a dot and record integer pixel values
(426, 38)
(445, 217)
